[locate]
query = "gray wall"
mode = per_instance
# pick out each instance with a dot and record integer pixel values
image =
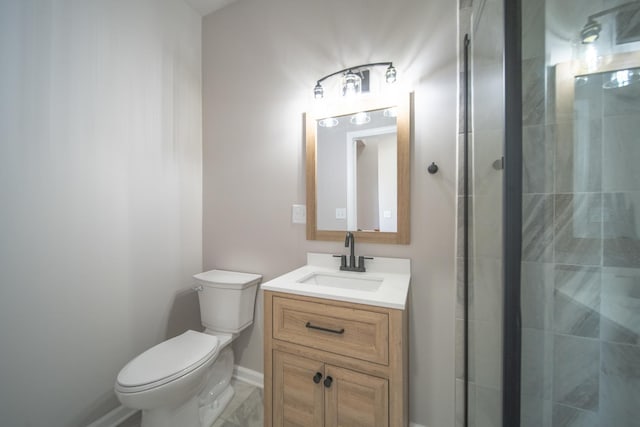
(101, 191)
(261, 59)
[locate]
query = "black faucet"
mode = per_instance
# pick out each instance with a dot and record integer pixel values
(350, 242)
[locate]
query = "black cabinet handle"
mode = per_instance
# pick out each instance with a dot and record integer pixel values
(320, 328)
(328, 381)
(317, 377)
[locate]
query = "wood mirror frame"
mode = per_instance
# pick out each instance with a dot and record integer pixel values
(403, 123)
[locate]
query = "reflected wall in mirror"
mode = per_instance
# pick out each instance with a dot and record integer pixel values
(358, 170)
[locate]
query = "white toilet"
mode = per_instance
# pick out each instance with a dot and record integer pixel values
(185, 381)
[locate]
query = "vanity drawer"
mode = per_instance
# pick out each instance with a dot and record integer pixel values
(352, 332)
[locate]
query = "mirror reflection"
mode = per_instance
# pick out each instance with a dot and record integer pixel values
(357, 171)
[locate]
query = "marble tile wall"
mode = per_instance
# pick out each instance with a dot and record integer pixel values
(581, 244)
(581, 253)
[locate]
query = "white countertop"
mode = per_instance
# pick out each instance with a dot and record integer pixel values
(395, 274)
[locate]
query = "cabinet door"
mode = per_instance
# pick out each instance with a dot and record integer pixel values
(355, 400)
(298, 400)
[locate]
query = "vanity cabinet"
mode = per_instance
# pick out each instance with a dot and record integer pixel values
(331, 363)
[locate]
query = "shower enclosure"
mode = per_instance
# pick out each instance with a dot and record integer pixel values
(549, 278)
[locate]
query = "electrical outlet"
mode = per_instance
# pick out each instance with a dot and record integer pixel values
(341, 213)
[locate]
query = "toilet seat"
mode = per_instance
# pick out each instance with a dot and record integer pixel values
(167, 362)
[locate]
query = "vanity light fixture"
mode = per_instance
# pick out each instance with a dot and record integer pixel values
(355, 79)
(390, 112)
(591, 30)
(361, 118)
(329, 122)
(622, 78)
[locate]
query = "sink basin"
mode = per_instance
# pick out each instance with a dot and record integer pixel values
(384, 284)
(343, 281)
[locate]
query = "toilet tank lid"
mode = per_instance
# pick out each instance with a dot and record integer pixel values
(169, 360)
(222, 278)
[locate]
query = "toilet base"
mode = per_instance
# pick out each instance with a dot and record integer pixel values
(185, 415)
(210, 413)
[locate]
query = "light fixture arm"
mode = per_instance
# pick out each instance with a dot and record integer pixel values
(356, 68)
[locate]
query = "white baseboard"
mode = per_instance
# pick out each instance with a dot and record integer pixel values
(415, 425)
(114, 417)
(248, 376)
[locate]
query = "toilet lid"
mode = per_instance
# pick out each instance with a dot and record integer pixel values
(168, 360)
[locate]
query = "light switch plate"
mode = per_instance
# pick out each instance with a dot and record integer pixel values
(341, 213)
(299, 214)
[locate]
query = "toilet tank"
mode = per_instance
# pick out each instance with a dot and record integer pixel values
(227, 299)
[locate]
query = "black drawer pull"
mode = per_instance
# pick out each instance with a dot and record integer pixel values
(320, 328)
(317, 378)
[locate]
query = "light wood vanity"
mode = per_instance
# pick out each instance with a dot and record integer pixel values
(330, 363)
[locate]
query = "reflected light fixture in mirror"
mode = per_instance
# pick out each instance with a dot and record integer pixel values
(329, 122)
(361, 118)
(622, 78)
(355, 79)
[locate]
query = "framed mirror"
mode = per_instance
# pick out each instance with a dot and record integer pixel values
(358, 170)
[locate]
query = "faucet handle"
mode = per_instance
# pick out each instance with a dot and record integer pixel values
(343, 260)
(361, 261)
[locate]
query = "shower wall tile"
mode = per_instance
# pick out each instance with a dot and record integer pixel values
(533, 91)
(487, 101)
(488, 146)
(578, 156)
(576, 372)
(621, 153)
(620, 385)
(488, 407)
(620, 306)
(488, 354)
(487, 227)
(577, 300)
(578, 228)
(550, 104)
(566, 416)
(537, 295)
(622, 229)
(538, 159)
(535, 412)
(532, 28)
(487, 290)
(537, 234)
(537, 363)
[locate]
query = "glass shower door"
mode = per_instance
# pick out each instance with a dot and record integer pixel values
(479, 316)
(580, 284)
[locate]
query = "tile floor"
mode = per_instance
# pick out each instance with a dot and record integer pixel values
(244, 410)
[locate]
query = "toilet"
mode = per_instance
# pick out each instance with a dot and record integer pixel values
(186, 380)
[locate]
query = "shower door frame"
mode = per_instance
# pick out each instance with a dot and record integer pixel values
(512, 214)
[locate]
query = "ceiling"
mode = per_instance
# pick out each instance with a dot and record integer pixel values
(205, 7)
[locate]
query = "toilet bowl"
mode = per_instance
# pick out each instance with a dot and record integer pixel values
(185, 381)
